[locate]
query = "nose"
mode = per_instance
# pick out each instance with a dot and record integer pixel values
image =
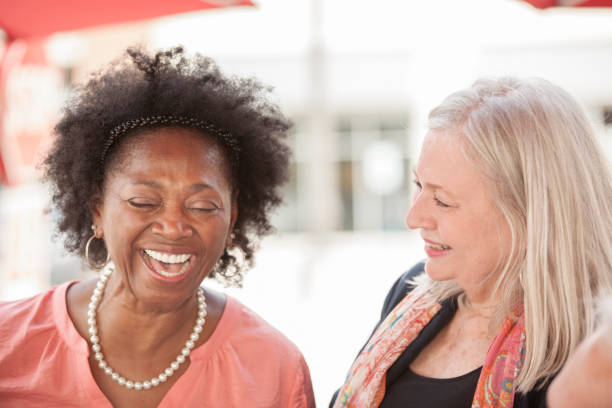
(419, 215)
(172, 224)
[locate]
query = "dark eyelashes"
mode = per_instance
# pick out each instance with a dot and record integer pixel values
(155, 205)
(141, 205)
(440, 203)
(205, 210)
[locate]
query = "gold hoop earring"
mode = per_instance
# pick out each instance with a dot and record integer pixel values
(87, 258)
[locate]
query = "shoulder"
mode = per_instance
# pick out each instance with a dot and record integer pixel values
(244, 340)
(586, 377)
(28, 324)
(402, 286)
(251, 331)
(35, 309)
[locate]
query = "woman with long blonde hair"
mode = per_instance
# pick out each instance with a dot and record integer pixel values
(513, 200)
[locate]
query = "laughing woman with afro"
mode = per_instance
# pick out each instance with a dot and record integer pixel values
(163, 173)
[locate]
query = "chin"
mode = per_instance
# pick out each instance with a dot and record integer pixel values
(437, 272)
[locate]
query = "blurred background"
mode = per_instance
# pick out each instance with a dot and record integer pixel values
(357, 78)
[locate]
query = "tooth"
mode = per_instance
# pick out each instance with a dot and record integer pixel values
(167, 258)
(437, 246)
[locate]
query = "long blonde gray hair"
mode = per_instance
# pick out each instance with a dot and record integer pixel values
(553, 185)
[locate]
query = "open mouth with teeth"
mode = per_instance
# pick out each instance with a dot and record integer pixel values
(439, 247)
(166, 264)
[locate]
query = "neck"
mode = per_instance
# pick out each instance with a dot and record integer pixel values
(480, 299)
(122, 319)
(483, 308)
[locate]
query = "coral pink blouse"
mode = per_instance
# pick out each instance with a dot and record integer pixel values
(245, 363)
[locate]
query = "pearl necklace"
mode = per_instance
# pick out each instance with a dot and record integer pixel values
(95, 340)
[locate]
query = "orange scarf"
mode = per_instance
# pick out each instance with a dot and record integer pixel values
(365, 383)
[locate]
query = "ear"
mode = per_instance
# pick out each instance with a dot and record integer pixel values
(97, 210)
(233, 218)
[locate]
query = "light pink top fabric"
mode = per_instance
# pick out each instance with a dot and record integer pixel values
(245, 363)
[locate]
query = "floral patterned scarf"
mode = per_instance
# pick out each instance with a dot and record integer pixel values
(365, 383)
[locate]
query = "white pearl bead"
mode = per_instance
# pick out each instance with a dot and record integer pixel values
(194, 336)
(180, 359)
(138, 385)
(97, 292)
(200, 321)
(108, 371)
(185, 351)
(96, 347)
(93, 330)
(146, 385)
(102, 364)
(174, 365)
(121, 381)
(155, 381)
(169, 371)
(94, 339)
(198, 329)
(129, 384)
(99, 356)
(189, 344)
(162, 377)
(115, 376)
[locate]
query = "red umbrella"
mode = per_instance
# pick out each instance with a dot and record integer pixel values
(542, 4)
(28, 83)
(29, 18)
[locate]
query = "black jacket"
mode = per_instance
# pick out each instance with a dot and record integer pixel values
(533, 399)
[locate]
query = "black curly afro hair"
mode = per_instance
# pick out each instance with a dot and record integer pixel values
(169, 83)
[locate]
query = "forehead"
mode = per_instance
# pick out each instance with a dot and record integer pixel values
(168, 151)
(443, 162)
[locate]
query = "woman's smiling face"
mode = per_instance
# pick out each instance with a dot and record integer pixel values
(167, 212)
(466, 236)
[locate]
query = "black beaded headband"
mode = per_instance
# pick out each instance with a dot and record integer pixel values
(224, 136)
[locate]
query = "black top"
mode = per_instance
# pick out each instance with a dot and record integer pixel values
(532, 399)
(411, 390)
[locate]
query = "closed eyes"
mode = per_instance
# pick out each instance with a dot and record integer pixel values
(438, 202)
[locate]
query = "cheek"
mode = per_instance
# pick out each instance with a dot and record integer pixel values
(121, 229)
(213, 231)
(491, 244)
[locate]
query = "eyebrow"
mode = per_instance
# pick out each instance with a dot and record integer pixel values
(434, 186)
(151, 184)
(157, 186)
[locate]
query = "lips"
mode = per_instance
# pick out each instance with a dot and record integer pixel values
(167, 266)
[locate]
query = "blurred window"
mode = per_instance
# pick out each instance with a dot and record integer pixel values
(370, 169)
(374, 171)
(607, 116)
